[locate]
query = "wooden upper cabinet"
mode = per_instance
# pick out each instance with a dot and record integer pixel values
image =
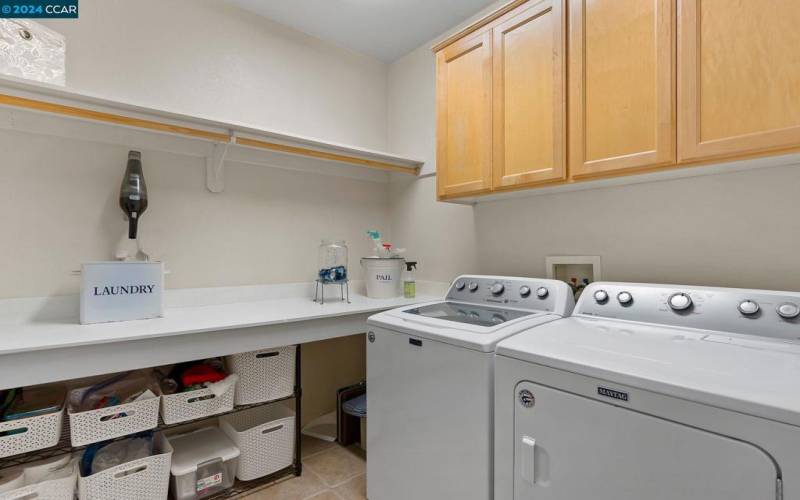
(621, 85)
(739, 87)
(464, 116)
(529, 96)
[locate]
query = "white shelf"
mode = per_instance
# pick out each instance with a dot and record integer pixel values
(46, 109)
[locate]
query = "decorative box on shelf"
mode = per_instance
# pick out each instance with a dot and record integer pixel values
(121, 290)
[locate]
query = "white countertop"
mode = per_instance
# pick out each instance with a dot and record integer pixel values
(34, 324)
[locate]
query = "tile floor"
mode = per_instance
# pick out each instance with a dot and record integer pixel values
(330, 472)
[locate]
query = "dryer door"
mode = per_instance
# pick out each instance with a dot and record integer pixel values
(572, 447)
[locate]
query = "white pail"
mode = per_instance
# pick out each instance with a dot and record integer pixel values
(384, 277)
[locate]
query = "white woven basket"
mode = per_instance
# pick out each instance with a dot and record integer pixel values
(263, 375)
(143, 479)
(265, 438)
(195, 404)
(55, 489)
(98, 425)
(43, 431)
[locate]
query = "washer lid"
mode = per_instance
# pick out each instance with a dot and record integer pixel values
(462, 324)
(471, 314)
(750, 374)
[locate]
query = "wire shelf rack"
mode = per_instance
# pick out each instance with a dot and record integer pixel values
(239, 488)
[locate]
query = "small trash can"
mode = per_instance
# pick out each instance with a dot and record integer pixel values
(383, 276)
(357, 407)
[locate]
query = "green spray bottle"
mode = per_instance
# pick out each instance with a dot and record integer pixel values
(409, 283)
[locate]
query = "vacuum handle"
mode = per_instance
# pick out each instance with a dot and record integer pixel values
(133, 225)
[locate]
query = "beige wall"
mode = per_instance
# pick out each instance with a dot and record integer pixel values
(208, 58)
(58, 196)
(328, 366)
(737, 229)
(411, 107)
(734, 229)
(443, 238)
(59, 203)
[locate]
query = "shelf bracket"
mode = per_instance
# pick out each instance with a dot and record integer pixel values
(215, 165)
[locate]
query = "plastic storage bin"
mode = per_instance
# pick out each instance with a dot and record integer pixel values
(34, 433)
(203, 463)
(146, 478)
(51, 479)
(263, 375)
(265, 438)
(190, 405)
(115, 421)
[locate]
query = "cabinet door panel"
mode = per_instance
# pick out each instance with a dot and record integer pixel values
(529, 107)
(739, 88)
(622, 81)
(464, 116)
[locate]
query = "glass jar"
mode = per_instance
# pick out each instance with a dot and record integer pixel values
(332, 261)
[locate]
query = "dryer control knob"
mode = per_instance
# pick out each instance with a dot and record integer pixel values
(524, 291)
(748, 307)
(600, 296)
(497, 288)
(542, 292)
(679, 302)
(473, 286)
(787, 310)
(460, 285)
(625, 298)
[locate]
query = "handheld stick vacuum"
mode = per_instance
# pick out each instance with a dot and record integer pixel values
(133, 193)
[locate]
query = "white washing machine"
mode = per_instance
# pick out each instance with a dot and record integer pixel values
(430, 383)
(653, 392)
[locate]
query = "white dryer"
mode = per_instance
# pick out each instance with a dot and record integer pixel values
(430, 382)
(653, 392)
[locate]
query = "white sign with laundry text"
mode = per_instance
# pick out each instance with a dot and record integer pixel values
(121, 291)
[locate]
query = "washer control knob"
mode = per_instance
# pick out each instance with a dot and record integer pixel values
(748, 307)
(542, 292)
(600, 296)
(625, 298)
(524, 291)
(787, 310)
(497, 288)
(460, 285)
(680, 302)
(473, 286)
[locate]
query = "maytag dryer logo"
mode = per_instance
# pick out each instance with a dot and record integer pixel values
(611, 393)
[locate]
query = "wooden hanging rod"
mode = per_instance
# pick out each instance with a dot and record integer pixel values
(61, 109)
(283, 148)
(100, 116)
